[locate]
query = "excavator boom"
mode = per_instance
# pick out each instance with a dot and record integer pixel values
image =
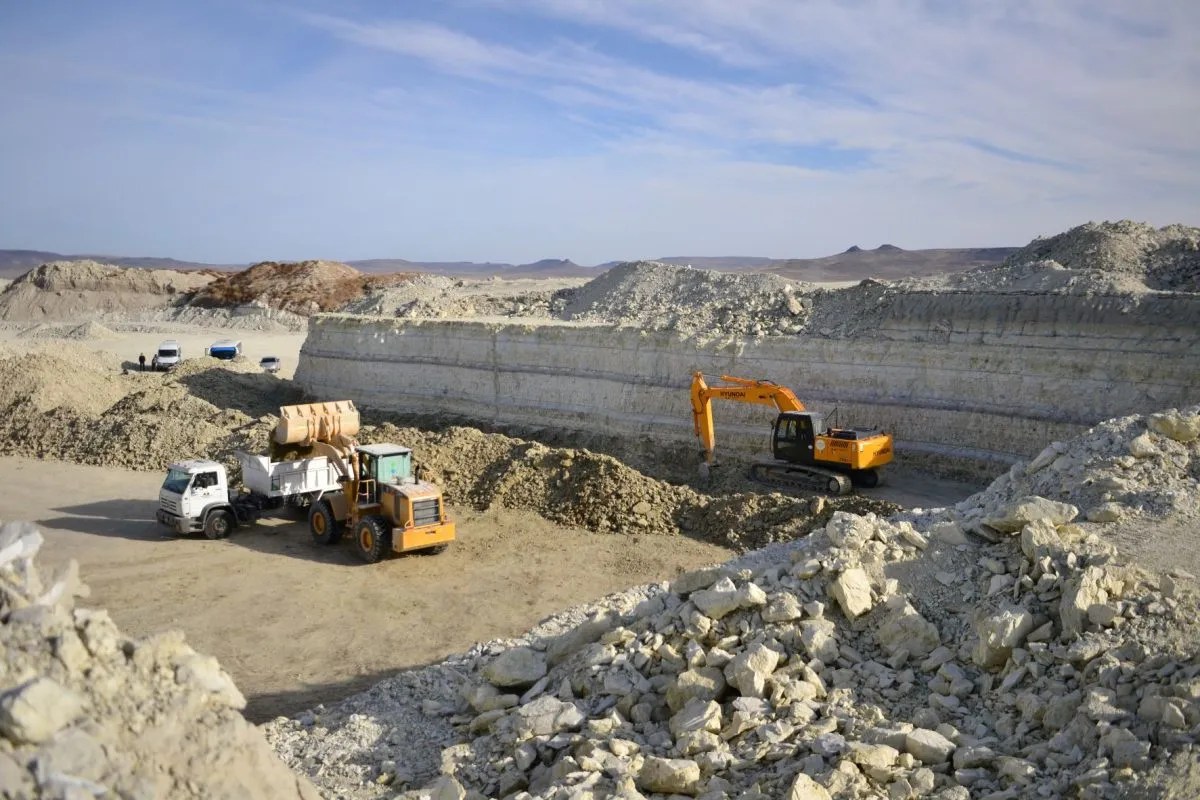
(741, 390)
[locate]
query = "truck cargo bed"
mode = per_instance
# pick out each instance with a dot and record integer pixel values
(287, 478)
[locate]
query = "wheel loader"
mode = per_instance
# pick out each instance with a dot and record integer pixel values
(808, 453)
(384, 506)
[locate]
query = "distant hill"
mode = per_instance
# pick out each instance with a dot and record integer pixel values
(886, 261)
(14, 263)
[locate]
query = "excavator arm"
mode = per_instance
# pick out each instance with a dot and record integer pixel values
(741, 390)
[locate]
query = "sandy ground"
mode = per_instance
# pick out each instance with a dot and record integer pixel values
(193, 340)
(297, 624)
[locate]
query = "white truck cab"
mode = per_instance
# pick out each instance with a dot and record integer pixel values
(192, 496)
(169, 355)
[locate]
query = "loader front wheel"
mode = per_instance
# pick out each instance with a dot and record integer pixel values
(372, 538)
(324, 525)
(218, 525)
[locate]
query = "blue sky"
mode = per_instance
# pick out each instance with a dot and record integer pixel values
(511, 130)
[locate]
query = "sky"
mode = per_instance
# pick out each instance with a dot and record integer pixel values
(232, 131)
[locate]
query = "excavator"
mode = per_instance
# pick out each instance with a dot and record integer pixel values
(807, 454)
(380, 500)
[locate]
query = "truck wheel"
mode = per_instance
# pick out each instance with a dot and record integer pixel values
(218, 525)
(372, 538)
(323, 524)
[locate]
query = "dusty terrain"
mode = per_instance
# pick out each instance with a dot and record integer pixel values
(1036, 638)
(314, 623)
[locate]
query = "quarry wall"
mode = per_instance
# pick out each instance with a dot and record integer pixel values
(985, 378)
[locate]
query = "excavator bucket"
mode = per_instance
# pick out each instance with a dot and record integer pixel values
(316, 422)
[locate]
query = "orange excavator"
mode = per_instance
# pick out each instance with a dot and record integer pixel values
(807, 453)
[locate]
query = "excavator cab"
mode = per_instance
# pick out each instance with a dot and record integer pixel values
(795, 435)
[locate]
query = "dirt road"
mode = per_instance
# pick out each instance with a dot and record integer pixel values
(297, 624)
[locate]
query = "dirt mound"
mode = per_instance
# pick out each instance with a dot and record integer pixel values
(84, 332)
(1165, 259)
(895, 658)
(79, 407)
(440, 296)
(87, 712)
(302, 287)
(661, 296)
(65, 290)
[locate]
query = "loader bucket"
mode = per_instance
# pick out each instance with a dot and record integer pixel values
(316, 422)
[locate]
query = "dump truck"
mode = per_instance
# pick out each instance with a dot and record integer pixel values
(225, 349)
(315, 462)
(808, 453)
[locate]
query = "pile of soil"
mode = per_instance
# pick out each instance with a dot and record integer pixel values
(74, 290)
(302, 287)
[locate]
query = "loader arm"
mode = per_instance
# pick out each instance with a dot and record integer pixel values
(741, 390)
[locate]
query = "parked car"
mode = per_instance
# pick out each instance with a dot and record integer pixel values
(269, 364)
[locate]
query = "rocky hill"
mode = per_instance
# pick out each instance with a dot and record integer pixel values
(302, 287)
(63, 290)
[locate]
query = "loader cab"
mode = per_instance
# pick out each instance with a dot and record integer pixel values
(795, 434)
(381, 465)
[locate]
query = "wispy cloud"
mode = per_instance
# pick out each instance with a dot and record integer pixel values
(510, 129)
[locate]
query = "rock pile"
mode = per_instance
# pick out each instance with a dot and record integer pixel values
(660, 296)
(86, 712)
(1000, 650)
(71, 290)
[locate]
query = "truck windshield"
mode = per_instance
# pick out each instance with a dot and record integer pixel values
(167, 352)
(177, 481)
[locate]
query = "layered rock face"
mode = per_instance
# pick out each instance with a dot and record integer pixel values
(990, 378)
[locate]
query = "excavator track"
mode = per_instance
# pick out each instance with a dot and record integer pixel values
(799, 476)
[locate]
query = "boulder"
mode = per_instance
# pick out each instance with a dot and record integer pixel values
(749, 670)
(928, 746)
(805, 788)
(782, 607)
(697, 715)
(706, 683)
(998, 634)
(852, 591)
(546, 716)
(517, 668)
(850, 530)
(1025, 510)
(669, 775)
(721, 599)
(36, 710)
(1173, 425)
(819, 637)
(905, 629)
(1143, 447)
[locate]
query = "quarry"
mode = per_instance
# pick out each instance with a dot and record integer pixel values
(1011, 614)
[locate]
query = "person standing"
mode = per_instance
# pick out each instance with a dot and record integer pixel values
(142, 361)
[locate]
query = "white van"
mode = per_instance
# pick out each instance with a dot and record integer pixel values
(169, 355)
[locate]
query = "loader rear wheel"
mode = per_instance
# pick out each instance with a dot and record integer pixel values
(218, 525)
(372, 538)
(324, 525)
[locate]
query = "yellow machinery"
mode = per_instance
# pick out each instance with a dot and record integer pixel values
(381, 502)
(808, 454)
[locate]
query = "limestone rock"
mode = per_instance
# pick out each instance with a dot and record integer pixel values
(563, 646)
(928, 746)
(520, 668)
(1173, 425)
(1020, 513)
(905, 629)
(721, 599)
(697, 715)
(819, 637)
(1106, 512)
(36, 710)
(852, 591)
(999, 633)
(850, 530)
(805, 788)
(1038, 539)
(782, 607)
(749, 670)
(1084, 590)
(706, 683)
(669, 775)
(1143, 447)
(206, 674)
(546, 716)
